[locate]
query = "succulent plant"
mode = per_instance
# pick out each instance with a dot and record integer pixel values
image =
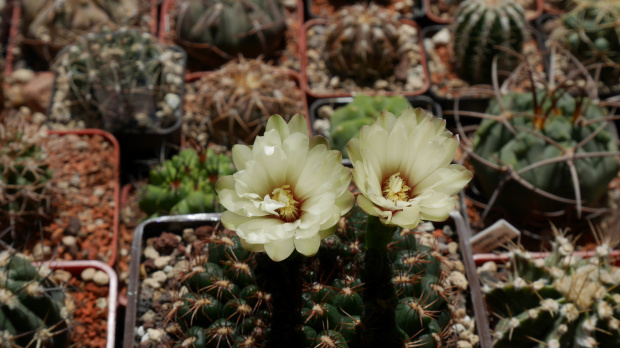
(591, 32)
(222, 296)
(238, 99)
(559, 301)
(558, 147)
(347, 121)
(363, 42)
(480, 27)
(118, 81)
(24, 175)
(32, 306)
(230, 28)
(185, 184)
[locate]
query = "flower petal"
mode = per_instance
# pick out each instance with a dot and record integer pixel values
(280, 249)
(308, 246)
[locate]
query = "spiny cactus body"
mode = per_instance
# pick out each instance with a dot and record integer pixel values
(363, 110)
(239, 98)
(221, 296)
(118, 81)
(531, 136)
(363, 42)
(480, 26)
(559, 301)
(250, 28)
(32, 310)
(185, 184)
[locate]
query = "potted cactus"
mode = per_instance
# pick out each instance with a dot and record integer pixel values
(446, 11)
(341, 57)
(410, 9)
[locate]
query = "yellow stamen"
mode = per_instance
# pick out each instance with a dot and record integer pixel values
(395, 189)
(290, 211)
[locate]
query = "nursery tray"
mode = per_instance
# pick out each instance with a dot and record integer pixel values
(437, 18)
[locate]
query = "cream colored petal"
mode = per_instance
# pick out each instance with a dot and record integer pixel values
(331, 218)
(319, 203)
(232, 221)
(241, 154)
(407, 218)
(252, 247)
(252, 182)
(315, 177)
(328, 232)
(238, 205)
(225, 183)
(318, 140)
(296, 149)
(279, 250)
(264, 229)
(345, 202)
(308, 246)
(437, 206)
(277, 123)
(299, 124)
(308, 230)
(386, 120)
(366, 205)
(450, 180)
(353, 150)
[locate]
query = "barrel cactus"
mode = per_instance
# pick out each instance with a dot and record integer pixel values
(559, 301)
(538, 138)
(363, 42)
(480, 26)
(185, 184)
(591, 32)
(118, 81)
(32, 306)
(347, 120)
(222, 296)
(230, 28)
(25, 179)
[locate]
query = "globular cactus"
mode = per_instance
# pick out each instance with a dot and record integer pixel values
(363, 42)
(222, 298)
(185, 184)
(363, 110)
(540, 137)
(25, 180)
(591, 32)
(480, 26)
(559, 301)
(238, 99)
(32, 306)
(118, 81)
(250, 28)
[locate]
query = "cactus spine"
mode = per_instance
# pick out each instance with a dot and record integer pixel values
(480, 26)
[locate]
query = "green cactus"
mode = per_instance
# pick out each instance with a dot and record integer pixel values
(218, 303)
(185, 184)
(362, 42)
(591, 32)
(32, 307)
(535, 136)
(559, 301)
(250, 28)
(363, 110)
(480, 26)
(24, 174)
(118, 81)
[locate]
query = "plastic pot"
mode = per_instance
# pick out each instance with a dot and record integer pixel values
(437, 18)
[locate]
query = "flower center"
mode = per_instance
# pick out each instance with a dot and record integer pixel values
(290, 211)
(395, 189)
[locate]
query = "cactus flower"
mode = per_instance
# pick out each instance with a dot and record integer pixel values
(402, 168)
(289, 192)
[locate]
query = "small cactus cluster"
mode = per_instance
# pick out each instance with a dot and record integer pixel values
(185, 184)
(559, 301)
(558, 147)
(235, 101)
(479, 27)
(25, 179)
(346, 121)
(32, 306)
(591, 32)
(217, 31)
(363, 42)
(118, 81)
(221, 301)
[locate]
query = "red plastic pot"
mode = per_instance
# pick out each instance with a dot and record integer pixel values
(446, 20)
(112, 140)
(317, 95)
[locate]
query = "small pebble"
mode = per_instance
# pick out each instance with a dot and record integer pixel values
(442, 37)
(69, 241)
(81, 145)
(99, 192)
(150, 252)
(101, 278)
(453, 247)
(151, 283)
(75, 180)
(88, 274)
(162, 261)
(188, 235)
(155, 335)
(160, 277)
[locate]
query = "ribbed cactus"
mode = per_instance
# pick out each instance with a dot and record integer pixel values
(591, 32)
(118, 81)
(238, 99)
(32, 307)
(24, 175)
(250, 28)
(363, 110)
(185, 184)
(363, 42)
(480, 26)
(560, 301)
(222, 297)
(536, 136)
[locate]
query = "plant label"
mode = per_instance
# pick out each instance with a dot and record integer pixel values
(498, 234)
